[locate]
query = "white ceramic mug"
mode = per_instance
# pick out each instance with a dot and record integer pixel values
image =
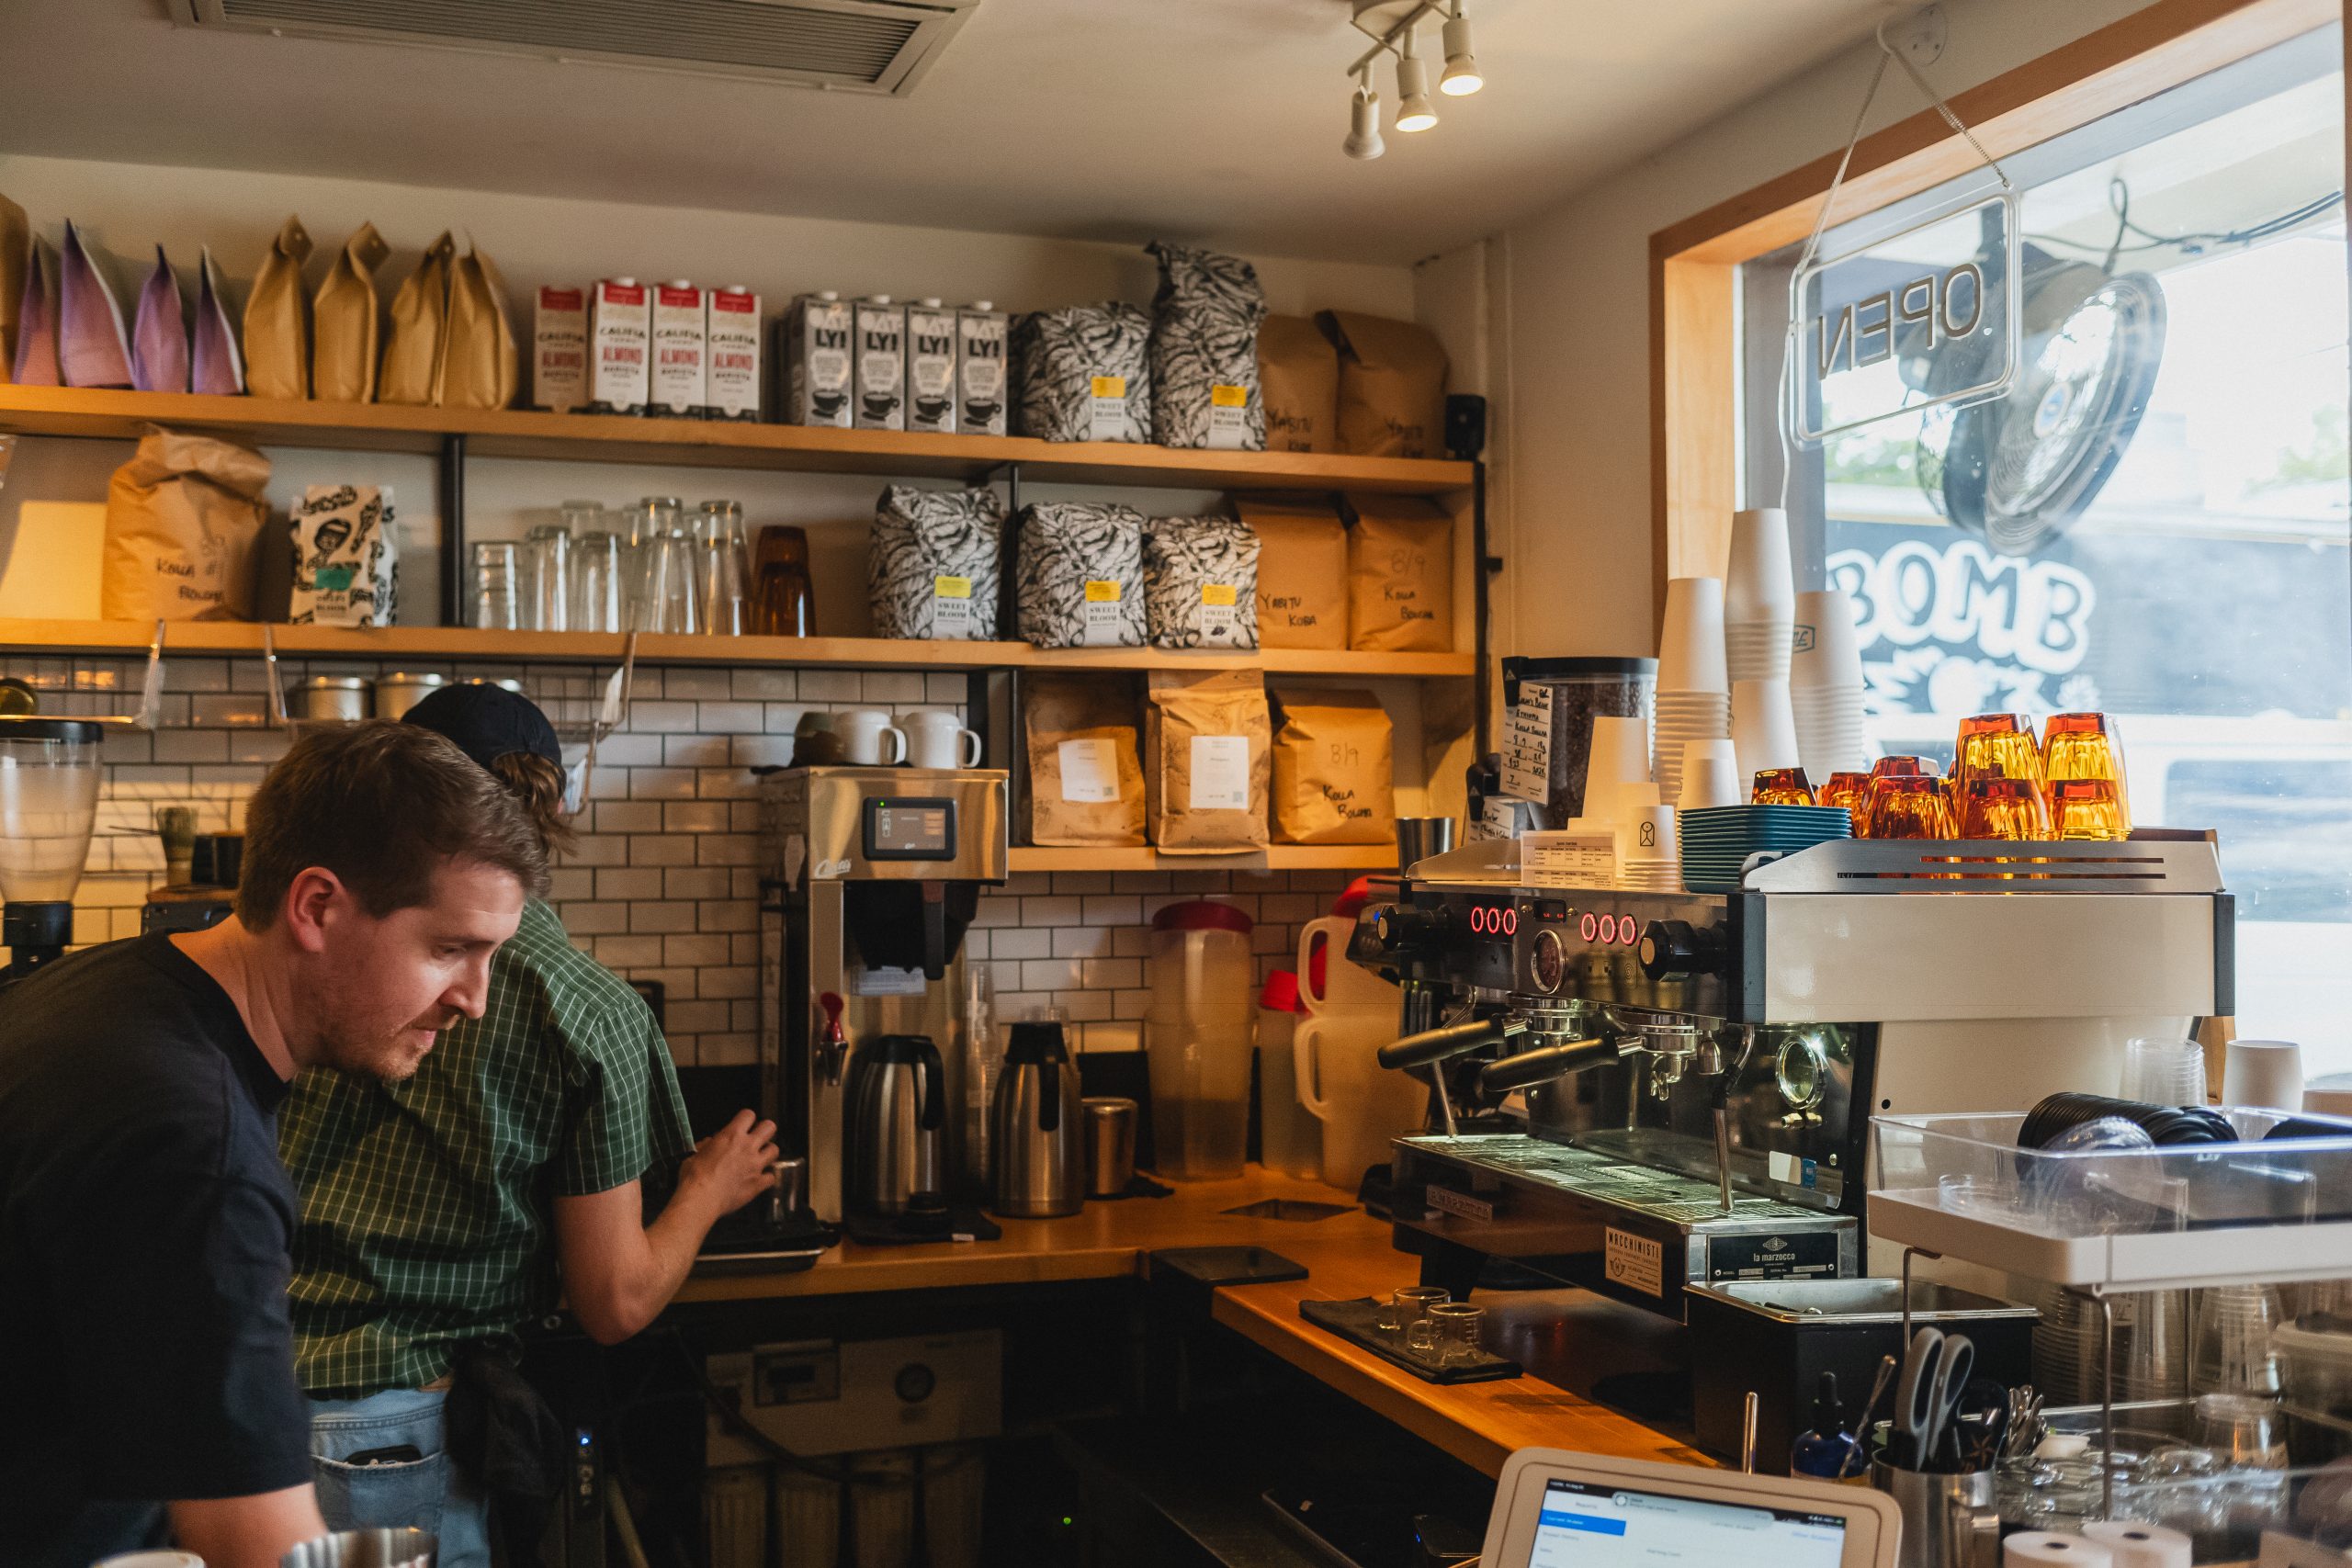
(869, 739)
(937, 738)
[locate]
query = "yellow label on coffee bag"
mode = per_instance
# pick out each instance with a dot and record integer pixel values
(1216, 593)
(951, 588)
(1099, 592)
(1110, 386)
(1224, 397)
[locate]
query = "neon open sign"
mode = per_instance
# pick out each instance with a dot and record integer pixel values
(1906, 321)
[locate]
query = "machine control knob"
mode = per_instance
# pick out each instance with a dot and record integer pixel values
(1677, 947)
(1400, 928)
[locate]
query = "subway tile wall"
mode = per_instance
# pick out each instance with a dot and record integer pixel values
(663, 883)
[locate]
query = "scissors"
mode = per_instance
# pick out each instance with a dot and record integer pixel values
(1935, 1374)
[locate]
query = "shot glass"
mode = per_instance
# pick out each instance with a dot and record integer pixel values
(1448, 1334)
(1996, 746)
(1407, 1303)
(1782, 786)
(2003, 809)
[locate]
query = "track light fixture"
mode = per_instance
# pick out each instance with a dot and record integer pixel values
(1460, 78)
(1364, 121)
(1393, 26)
(1414, 111)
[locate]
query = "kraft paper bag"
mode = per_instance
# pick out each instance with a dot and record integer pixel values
(92, 349)
(159, 361)
(1302, 571)
(36, 359)
(278, 319)
(342, 323)
(1335, 779)
(412, 346)
(1083, 739)
(1392, 386)
(216, 364)
(480, 366)
(1206, 768)
(15, 238)
(1298, 376)
(1400, 576)
(183, 519)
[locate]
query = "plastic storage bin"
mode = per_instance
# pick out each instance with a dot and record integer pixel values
(1198, 1035)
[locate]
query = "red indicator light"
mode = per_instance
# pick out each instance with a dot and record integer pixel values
(1588, 927)
(1510, 922)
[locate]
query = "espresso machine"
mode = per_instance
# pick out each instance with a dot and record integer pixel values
(1637, 1091)
(50, 770)
(869, 878)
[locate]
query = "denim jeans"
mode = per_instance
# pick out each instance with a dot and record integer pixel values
(426, 1493)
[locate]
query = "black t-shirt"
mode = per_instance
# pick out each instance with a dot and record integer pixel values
(145, 1229)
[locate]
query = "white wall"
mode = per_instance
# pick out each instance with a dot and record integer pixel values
(129, 208)
(1572, 318)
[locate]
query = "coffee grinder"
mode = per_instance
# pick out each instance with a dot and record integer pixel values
(869, 878)
(50, 770)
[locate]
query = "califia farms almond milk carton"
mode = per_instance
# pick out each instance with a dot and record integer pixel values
(731, 367)
(678, 351)
(620, 325)
(560, 350)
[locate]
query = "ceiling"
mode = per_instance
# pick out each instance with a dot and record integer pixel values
(1216, 121)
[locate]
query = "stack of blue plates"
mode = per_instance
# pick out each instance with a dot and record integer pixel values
(1717, 842)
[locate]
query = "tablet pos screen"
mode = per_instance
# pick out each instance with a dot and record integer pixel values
(1586, 1524)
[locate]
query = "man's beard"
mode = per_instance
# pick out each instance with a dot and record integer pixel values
(389, 1057)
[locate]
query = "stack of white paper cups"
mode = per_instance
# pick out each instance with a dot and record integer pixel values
(1711, 775)
(1763, 730)
(1760, 597)
(1826, 687)
(1620, 757)
(1694, 687)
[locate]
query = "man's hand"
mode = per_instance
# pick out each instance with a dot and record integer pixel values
(733, 1166)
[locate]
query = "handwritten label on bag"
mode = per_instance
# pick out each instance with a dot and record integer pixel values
(951, 608)
(1527, 746)
(1220, 772)
(1633, 1261)
(1219, 621)
(1107, 414)
(1090, 771)
(1228, 417)
(1103, 613)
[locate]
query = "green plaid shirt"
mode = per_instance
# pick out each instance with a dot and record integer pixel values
(428, 1206)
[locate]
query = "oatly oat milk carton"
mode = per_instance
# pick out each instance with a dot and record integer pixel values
(881, 363)
(931, 367)
(678, 346)
(731, 367)
(620, 325)
(817, 357)
(982, 376)
(560, 350)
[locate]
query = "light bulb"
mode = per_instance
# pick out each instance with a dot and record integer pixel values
(1363, 126)
(1460, 76)
(1414, 111)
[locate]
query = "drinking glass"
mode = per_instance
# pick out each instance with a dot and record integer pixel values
(2246, 1427)
(551, 556)
(2003, 809)
(2230, 1340)
(598, 601)
(1909, 806)
(2086, 745)
(495, 599)
(1902, 767)
(2087, 809)
(1448, 1332)
(1782, 786)
(787, 605)
(1996, 746)
(666, 600)
(719, 568)
(1850, 792)
(580, 516)
(1407, 1303)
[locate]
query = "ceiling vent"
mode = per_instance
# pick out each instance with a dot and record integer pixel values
(861, 46)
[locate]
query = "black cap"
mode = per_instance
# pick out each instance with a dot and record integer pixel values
(1829, 1410)
(488, 722)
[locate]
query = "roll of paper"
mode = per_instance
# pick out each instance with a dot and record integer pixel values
(2135, 1545)
(2053, 1548)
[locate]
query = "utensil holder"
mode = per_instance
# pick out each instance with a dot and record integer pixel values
(1949, 1520)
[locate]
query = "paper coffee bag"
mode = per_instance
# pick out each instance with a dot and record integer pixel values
(183, 517)
(1082, 737)
(1302, 571)
(35, 361)
(1334, 769)
(215, 364)
(1298, 376)
(346, 559)
(344, 333)
(1206, 768)
(1400, 575)
(1392, 386)
(420, 311)
(16, 240)
(480, 363)
(159, 331)
(93, 348)
(278, 319)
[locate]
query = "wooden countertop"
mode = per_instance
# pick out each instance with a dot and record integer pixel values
(1346, 1255)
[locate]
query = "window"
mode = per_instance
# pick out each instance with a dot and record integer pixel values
(2156, 520)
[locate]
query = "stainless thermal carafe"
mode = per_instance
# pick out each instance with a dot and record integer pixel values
(898, 1117)
(1035, 1135)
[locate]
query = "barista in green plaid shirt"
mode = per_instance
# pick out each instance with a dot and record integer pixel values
(452, 1208)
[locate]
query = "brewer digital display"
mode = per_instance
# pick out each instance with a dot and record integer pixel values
(911, 829)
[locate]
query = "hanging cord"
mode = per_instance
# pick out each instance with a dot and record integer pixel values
(1886, 51)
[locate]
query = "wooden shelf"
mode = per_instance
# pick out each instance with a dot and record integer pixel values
(1274, 857)
(523, 647)
(509, 433)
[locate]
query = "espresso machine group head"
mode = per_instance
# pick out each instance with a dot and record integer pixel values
(1641, 1089)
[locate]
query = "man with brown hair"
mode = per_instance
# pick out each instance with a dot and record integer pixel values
(145, 1221)
(437, 1210)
